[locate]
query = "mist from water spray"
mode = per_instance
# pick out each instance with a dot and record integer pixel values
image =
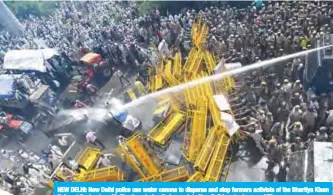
(98, 113)
(181, 87)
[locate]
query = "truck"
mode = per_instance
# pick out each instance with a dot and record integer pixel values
(318, 69)
(33, 101)
(11, 125)
(43, 64)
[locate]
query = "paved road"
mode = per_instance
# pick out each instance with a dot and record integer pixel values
(38, 141)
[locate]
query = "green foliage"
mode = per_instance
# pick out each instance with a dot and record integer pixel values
(146, 6)
(174, 7)
(163, 6)
(22, 9)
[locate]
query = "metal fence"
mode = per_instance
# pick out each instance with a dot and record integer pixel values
(301, 166)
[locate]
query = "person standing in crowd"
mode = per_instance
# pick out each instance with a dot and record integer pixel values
(75, 166)
(118, 73)
(92, 138)
(67, 173)
(104, 160)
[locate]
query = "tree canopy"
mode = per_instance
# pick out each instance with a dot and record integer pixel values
(22, 9)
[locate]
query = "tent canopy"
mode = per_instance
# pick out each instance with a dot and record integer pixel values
(28, 59)
(48, 53)
(7, 86)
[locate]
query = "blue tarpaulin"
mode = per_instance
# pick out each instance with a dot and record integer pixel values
(121, 116)
(7, 89)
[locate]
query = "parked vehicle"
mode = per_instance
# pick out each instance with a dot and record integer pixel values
(119, 116)
(83, 87)
(14, 125)
(32, 100)
(46, 64)
(96, 67)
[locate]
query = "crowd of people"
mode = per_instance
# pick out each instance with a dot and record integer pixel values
(112, 29)
(273, 104)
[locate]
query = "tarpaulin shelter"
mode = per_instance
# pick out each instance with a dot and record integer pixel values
(33, 60)
(7, 89)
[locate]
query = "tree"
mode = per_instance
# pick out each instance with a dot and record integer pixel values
(174, 7)
(22, 9)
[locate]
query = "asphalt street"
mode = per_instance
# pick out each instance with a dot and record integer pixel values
(240, 169)
(37, 140)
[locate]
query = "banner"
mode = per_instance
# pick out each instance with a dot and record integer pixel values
(170, 188)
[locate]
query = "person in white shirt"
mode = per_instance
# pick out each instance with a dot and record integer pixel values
(92, 138)
(75, 166)
(104, 160)
(55, 150)
(67, 173)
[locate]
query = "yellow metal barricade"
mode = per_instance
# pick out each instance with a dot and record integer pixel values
(111, 173)
(214, 111)
(168, 76)
(219, 87)
(163, 106)
(201, 36)
(158, 82)
(160, 67)
(197, 135)
(151, 84)
(151, 80)
(140, 156)
(161, 133)
(209, 61)
(196, 177)
(199, 33)
(194, 65)
(208, 88)
(172, 175)
(228, 82)
(131, 94)
(177, 66)
(190, 58)
(199, 91)
(190, 98)
(195, 31)
(207, 150)
(89, 157)
(226, 167)
(215, 167)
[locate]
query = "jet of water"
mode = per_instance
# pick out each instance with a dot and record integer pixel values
(219, 76)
